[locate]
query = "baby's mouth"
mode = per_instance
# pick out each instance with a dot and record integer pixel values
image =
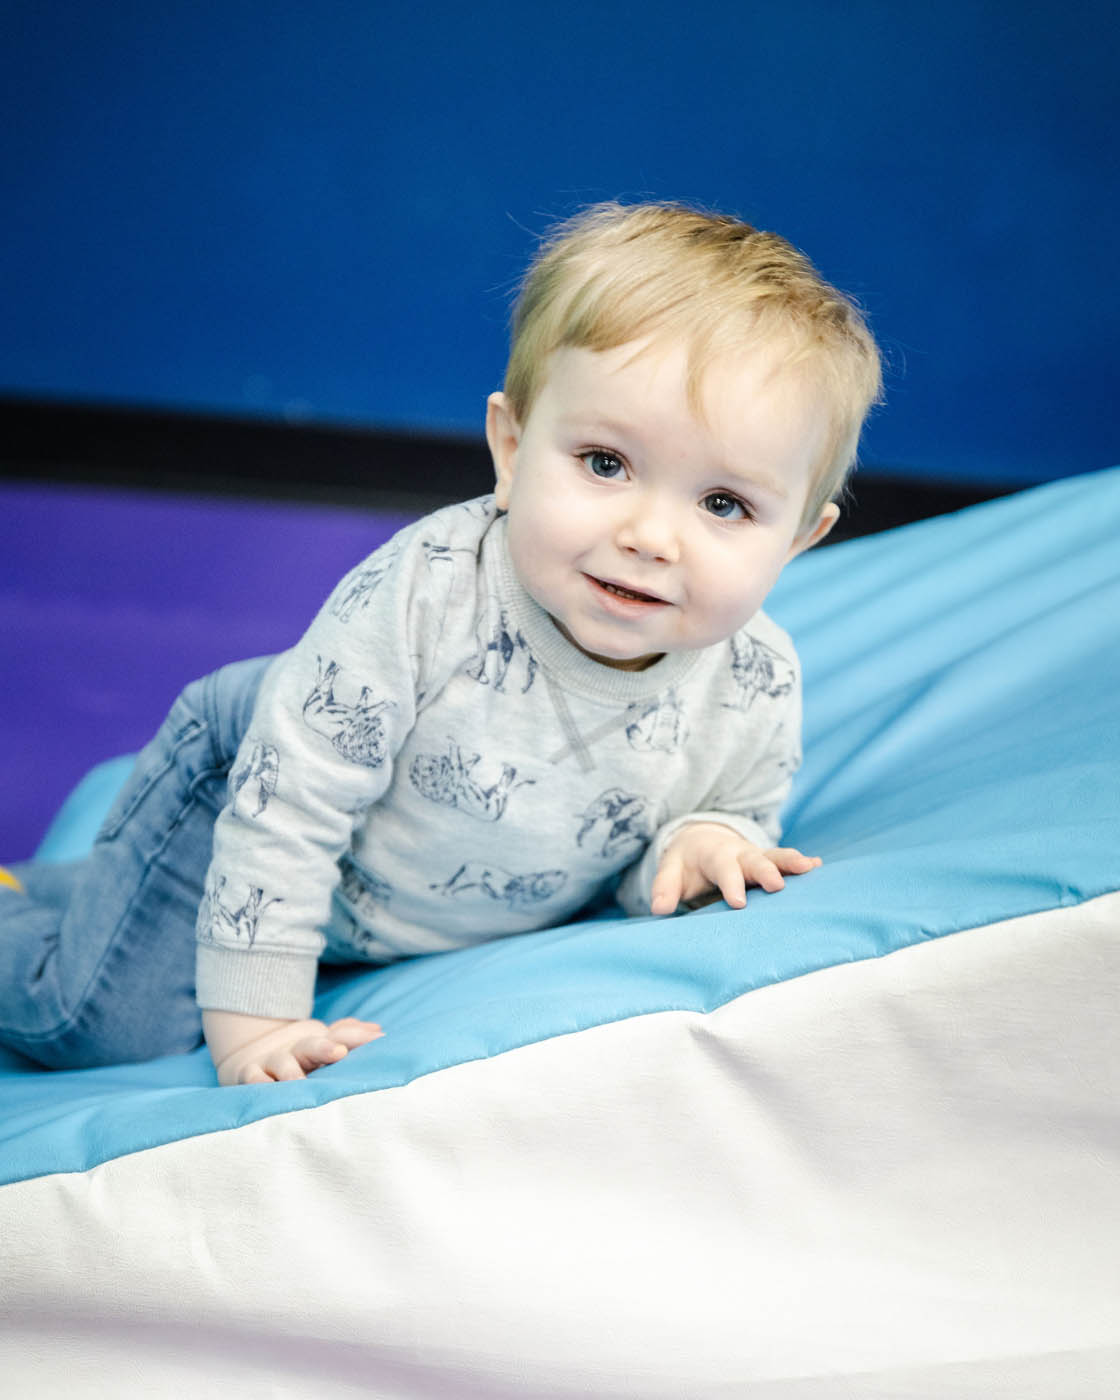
(630, 593)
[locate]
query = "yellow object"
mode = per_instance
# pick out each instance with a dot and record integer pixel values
(7, 878)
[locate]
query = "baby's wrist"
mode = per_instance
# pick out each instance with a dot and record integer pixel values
(707, 827)
(228, 1033)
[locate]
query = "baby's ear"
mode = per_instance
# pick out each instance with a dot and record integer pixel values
(813, 534)
(503, 433)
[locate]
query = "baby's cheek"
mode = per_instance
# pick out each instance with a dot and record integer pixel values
(723, 609)
(576, 524)
(740, 593)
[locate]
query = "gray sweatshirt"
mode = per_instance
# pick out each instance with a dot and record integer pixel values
(433, 765)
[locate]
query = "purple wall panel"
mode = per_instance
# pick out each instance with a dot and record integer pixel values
(110, 601)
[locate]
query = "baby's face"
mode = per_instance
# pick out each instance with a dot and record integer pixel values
(638, 526)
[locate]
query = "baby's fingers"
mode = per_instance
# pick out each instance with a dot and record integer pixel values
(274, 1068)
(252, 1074)
(667, 887)
(351, 1032)
(309, 1055)
(341, 1037)
(725, 871)
(758, 867)
(792, 861)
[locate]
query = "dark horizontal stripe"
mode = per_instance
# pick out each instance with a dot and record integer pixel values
(213, 454)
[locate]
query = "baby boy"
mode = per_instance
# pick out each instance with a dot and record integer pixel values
(567, 686)
(524, 697)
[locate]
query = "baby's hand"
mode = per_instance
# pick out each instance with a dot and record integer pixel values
(294, 1050)
(705, 856)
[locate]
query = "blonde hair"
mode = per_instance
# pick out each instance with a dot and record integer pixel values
(616, 273)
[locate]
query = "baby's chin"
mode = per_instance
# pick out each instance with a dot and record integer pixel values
(616, 663)
(634, 663)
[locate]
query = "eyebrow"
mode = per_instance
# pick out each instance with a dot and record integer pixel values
(766, 483)
(593, 423)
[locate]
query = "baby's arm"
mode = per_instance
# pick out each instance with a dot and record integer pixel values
(262, 1050)
(705, 856)
(329, 720)
(731, 840)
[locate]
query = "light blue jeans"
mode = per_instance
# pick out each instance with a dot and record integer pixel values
(97, 955)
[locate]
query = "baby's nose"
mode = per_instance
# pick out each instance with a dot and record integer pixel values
(650, 530)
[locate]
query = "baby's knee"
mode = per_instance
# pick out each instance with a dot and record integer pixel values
(229, 696)
(94, 1042)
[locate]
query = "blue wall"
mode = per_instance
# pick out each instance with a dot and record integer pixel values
(318, 210)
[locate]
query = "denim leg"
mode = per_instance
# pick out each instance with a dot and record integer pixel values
(97, 956)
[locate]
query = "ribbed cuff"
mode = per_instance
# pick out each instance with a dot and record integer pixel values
(255, 984)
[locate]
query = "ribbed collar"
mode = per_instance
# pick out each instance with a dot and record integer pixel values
(565, 663)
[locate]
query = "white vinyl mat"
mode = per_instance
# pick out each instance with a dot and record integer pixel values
(892, 1179)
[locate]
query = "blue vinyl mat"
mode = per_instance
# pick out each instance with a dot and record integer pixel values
(962, 740)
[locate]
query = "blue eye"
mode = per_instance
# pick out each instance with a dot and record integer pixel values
(725, 506)
(602, 464)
